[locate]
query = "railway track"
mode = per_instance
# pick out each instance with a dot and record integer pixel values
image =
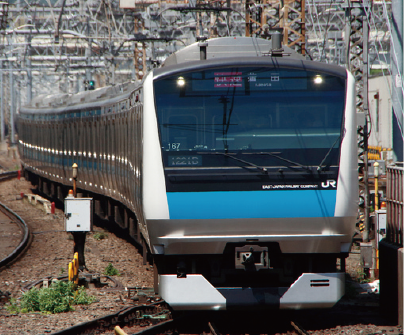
(155, 318)
(10, 218)
(154, 314)
(8, 175)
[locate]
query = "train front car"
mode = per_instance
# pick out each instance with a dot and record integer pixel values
(250, 182)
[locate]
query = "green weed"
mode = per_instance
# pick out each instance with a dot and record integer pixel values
(57, 298)
(111, 271)
(100, 236)
(12, 307)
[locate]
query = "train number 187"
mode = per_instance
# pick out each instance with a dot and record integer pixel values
(174, 146)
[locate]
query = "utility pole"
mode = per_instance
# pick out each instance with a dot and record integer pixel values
(356, 41)
(140, 54)
(29, 76)
(88, 52)
(11, 79)
(397, 62)
(2, 123)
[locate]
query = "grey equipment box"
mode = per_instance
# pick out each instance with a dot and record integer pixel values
(78, 214)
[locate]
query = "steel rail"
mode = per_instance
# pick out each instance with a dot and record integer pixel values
(8, 175)
(127, 316)
(298, 328)
(25, 240)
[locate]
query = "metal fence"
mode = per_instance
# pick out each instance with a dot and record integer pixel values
(395, 211)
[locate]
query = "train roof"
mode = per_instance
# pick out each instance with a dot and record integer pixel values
(219, 52)
(86, 99)
(240, 51)
(225, 47)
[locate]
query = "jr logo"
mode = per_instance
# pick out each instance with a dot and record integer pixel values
(329, 183)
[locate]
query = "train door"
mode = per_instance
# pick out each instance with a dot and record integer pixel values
(102, 153)
(64, 149)
(56, 149)
(69, 160)
(139, 156)
(90, 151)
(75, 146)
(99, 139)
(118, 184)
(114, 154)
(84, 156)
(81, 164)
(39, 145)
(125, 155)
(44, 139)
(108, 150)
(36, 144)
(121, 134)
(52, 144)
(131, 157)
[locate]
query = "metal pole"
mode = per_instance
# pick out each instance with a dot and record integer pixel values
(75, 167)
(361, 74)
(11, 78)
(228, 4)
(88, 56)
(397, 60)
(366, 183)
(2, 128)
(29, 79)
(376, 172)
(77, 84)
(88, 52)
(348, 37)
(365, 72)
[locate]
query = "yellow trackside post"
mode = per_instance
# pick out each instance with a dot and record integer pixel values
(74, 262)
(70, 272)
(76, 269)
(76, 257)
(119, 331)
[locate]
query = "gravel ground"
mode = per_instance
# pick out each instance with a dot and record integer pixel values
(10, 236)
(49, 255)
(52, 249)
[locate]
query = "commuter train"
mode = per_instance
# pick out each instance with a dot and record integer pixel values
(234, 163)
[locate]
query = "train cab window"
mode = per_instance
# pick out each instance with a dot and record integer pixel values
(181, 132)
(251, 111)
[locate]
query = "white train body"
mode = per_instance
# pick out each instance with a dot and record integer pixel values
(241, 170)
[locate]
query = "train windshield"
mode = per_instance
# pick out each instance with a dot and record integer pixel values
(262, 116)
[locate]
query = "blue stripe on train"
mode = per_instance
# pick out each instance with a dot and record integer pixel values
(251, 204)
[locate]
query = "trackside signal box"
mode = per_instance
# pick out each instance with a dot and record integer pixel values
(78, 214)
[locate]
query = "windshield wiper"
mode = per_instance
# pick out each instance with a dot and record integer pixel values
(320, 166)
(274, 154)
(262, 169)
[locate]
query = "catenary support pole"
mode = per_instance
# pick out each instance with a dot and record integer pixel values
(11, 78)
(2, 122)
(397, 66)
(365, 73)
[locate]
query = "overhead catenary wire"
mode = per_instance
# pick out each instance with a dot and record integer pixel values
(311, 7)
(326, 29)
